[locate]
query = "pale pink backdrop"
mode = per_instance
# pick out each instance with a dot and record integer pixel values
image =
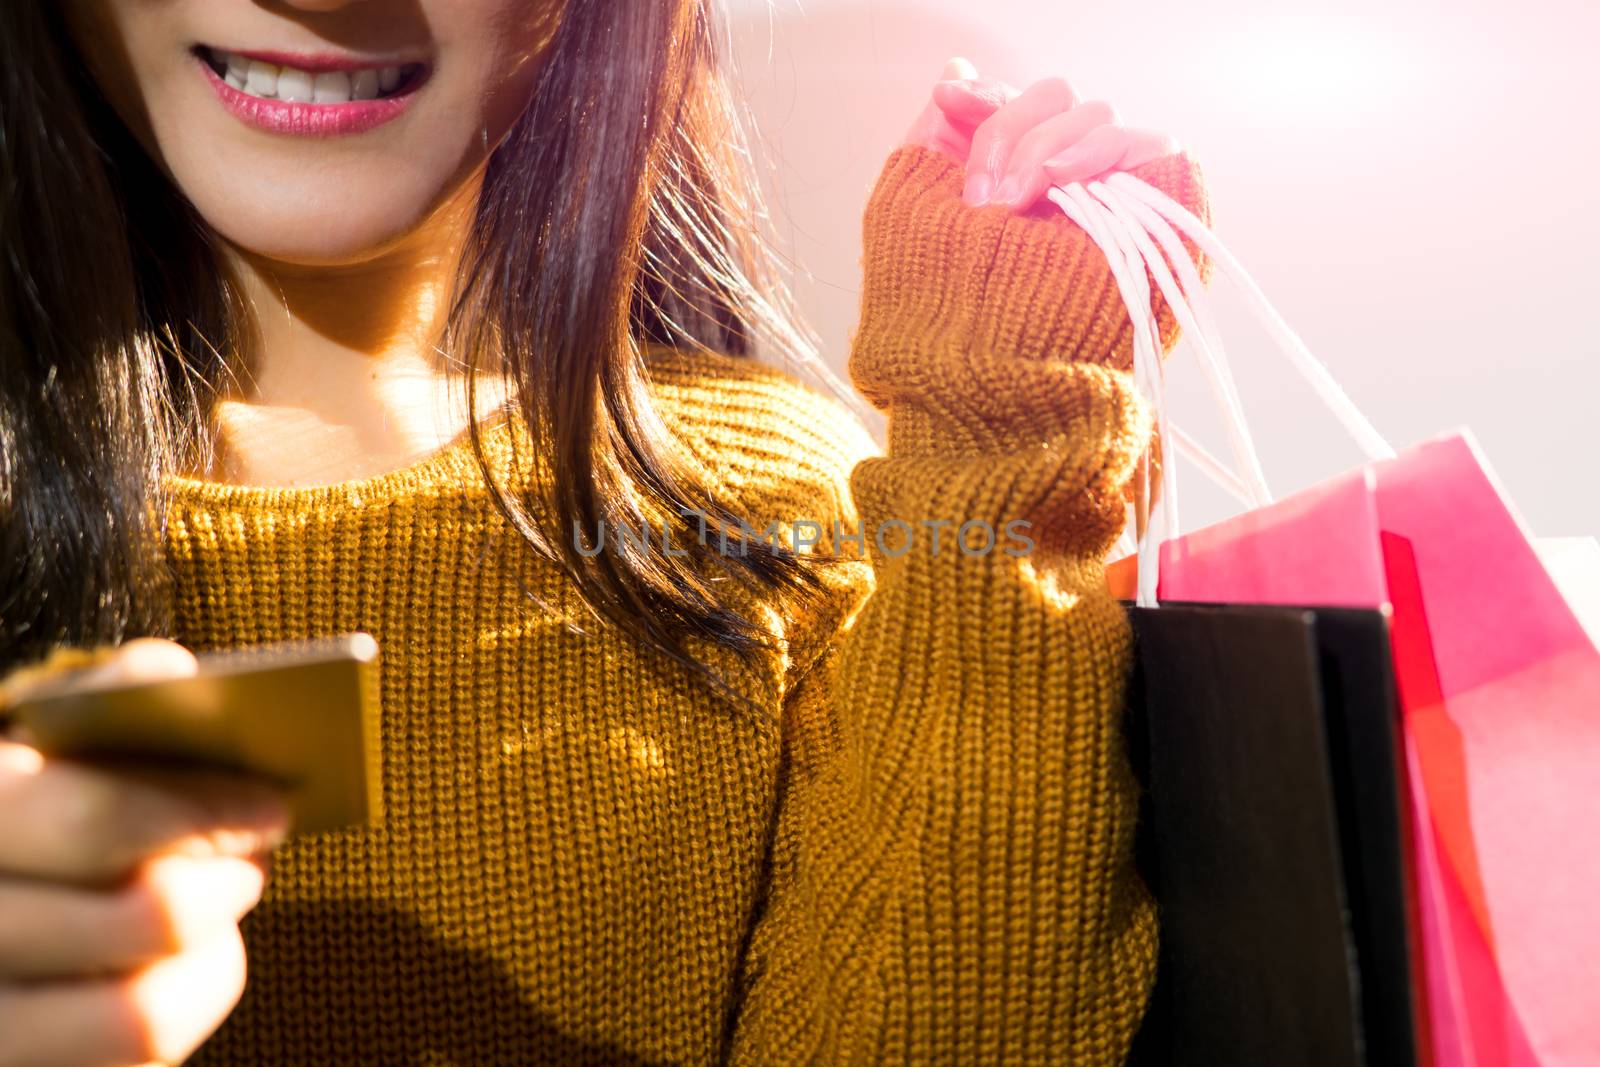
(1413, 184)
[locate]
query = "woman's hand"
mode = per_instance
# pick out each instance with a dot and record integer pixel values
(120, 893)
(1015, 145)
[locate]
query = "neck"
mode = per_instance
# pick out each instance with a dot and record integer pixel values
(345, 376)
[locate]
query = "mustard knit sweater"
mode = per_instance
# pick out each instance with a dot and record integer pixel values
(920, 851)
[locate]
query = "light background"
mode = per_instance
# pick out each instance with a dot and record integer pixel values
(1413, 184)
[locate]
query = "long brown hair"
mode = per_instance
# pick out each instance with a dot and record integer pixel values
(620, 212)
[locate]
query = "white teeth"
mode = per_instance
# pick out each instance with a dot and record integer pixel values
(330, 87)
(294, 86)
(262, 79)
(238, 71)
(270, 81)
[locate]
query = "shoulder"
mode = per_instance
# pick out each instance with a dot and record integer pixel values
(774, 445)
(773, 449)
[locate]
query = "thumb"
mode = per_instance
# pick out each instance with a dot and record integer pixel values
(958, 69)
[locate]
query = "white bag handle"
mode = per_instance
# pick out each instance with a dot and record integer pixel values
(1128, 219)
(1366, 435)
(1198, 328)
(1148, 371)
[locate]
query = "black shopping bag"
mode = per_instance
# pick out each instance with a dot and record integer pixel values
(1272, 837)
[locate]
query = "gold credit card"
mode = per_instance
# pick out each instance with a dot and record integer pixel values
(304, 713)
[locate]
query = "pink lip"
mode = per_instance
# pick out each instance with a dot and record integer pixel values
(308, 120)
(318, 62)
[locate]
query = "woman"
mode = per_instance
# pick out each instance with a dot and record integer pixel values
(324, 315)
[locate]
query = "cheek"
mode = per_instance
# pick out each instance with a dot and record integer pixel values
(518, 37)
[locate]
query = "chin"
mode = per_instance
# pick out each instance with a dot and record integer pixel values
(313, 225)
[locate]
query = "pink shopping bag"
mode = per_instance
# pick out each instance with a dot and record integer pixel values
(1500, 690)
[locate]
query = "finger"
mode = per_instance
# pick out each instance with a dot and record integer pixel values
(997, 136)
(159, 1014)
(1146, 145)
(173, 904)
(1025, 177)
(146, 659)
(141, 659)
(934, 130)
(1105, 149)
(959, 69)
(970, 102)
(937, 130)
(74, 822)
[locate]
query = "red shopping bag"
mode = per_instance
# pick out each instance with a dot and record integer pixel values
(1500, 694)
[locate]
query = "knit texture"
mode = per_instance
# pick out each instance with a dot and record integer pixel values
(919, 850)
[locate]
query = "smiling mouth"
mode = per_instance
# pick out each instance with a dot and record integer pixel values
(338, 83)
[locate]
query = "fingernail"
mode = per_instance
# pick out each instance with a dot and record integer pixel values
(960, 67)
(239, 843)
(254, 808)
(1009, 190)
(274, 837)
(271, 818)
(979, 186)
(1062, 163)
(250, 842)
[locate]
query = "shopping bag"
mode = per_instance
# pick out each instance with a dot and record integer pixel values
(1279, 870)
(1498, 682)
(1500, 696)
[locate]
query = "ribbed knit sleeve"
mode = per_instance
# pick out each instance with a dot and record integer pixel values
(951, 875)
